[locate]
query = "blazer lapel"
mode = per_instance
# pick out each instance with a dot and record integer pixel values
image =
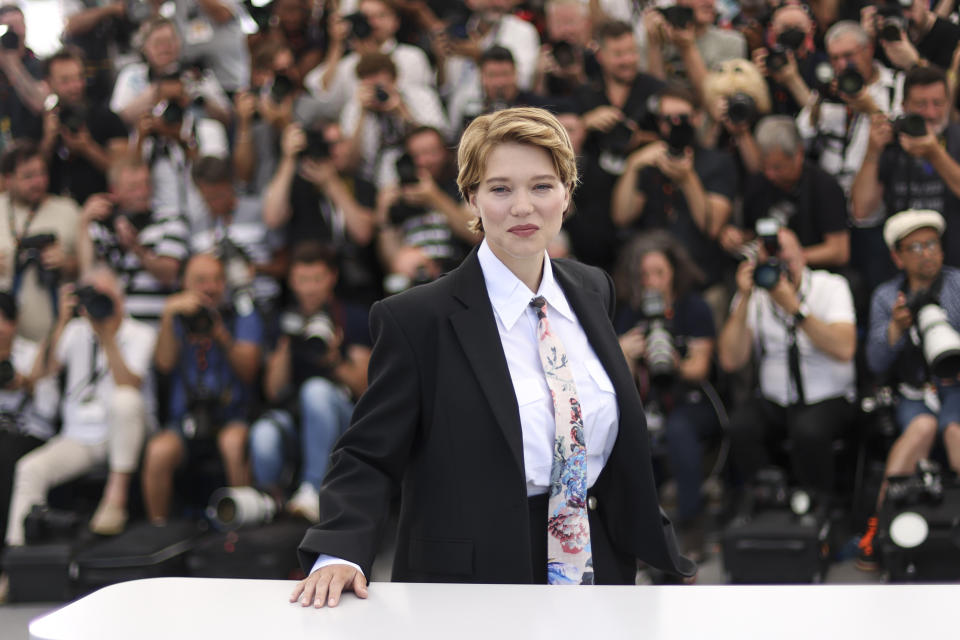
(592, 313)
(476, 329)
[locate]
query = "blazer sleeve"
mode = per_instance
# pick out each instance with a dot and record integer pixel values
(368, 461)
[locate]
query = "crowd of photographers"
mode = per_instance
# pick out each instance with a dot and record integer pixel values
(200, 199)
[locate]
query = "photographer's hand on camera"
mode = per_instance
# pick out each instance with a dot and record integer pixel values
(53, 257)
(731, 238)
(245, 107)
(868, 20)
(127, 235)
(881, 133)
(678, 169)
(784, 295)
(293, 141)
(861, 102)
(655, 25)
(98, 207)
(633, 344)
(185, 303)
(900, 320)
(423, 193)
(745, 285)
(901, 53)
(925, 147)
(602, 118)
(647, 155)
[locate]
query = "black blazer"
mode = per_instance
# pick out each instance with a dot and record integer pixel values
(440, 419)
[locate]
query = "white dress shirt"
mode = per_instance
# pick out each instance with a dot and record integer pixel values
(517, 325)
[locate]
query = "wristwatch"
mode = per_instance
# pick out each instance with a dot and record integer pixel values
(801, 314)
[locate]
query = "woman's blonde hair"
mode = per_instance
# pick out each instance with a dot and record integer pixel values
(523, 125)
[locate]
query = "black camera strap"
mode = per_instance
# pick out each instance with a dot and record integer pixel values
(90, 383)
(793, 347)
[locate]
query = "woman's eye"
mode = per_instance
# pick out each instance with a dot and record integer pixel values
(498, 189)
(543, 187)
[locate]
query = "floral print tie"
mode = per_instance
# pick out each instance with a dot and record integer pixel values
(569, 557)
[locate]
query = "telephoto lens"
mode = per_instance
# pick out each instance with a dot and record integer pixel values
(235, 507)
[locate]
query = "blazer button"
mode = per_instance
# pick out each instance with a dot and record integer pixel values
(592, 503)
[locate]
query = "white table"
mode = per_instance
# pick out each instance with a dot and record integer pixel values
(209, 609)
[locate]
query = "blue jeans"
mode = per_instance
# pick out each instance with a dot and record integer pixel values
(325, 411)
(908, 409)
(688, 425)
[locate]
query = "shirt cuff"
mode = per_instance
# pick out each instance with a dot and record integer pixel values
(324, 560)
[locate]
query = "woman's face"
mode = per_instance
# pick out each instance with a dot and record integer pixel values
(521, 201)
(656, 273)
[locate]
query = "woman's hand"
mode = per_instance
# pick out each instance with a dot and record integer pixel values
(325, 585)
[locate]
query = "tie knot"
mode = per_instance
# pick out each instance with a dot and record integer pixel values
(540, 304)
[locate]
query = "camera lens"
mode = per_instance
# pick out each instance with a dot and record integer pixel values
(767, 274)
(849, 81)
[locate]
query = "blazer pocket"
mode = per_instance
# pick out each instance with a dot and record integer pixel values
(599, 375)
(448, 557)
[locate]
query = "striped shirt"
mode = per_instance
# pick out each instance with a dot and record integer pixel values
(167, 236)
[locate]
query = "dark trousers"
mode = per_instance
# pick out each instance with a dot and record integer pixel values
(688, 425)
(13, 446)
(760, 425)
(609, 565)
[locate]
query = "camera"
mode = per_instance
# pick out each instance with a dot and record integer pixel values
(850, 81)
(198, 323)
(72, 117)
(9, 39)
(234, 507)
(7, 373)
(397, 282)
(139, 220)
(660, 348)
(564, 53)
(317, 147)
(169, 111)
(741, 108)
(681, 135)
(939, 341)
(890, 21)
(678, 17)
(925, 486)
(312, 335)
(281, 88)
(359, 26)
(777, 58)
(99, 306)
(617, 140)
(381, 94)
(28, 253)
(202, 421)
(791, 39)
(767, 273)
(911, 124)
(407, 170)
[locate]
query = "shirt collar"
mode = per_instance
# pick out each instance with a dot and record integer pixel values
(510, 297)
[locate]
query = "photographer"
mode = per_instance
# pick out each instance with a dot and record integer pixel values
(801, 327)
(107, 403)
(676, 185)
(372, 29)
(913, 163)
(213, 36)
(835, 122)
(667, 336)
(37, 239)
(381, 112)
(277, 99)
(79, 137)
(789, 58)
(211, 351)
(22, 89)
(927, 405)
(170, 139)
(144, 249)
(424, 225)
(137, 89)
(911, 35)
(315, 195)
(683, 43)
(799, 194)
(497, 90)
(27, 403)
(566, 59)
(316, 370)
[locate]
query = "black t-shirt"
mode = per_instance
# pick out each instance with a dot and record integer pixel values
(73, 175)
(815, 207)
(313, 217)
(666, 206)
(939, 43)
(593, 236)
(635, 108)
(912, 183)
(782, 101)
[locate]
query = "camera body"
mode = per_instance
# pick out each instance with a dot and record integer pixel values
(7, 373)
(564, 53)
(910, 124)
(617, 140)
(890, 21)
(359, 25)
(317, 147)
(28, 253)
(199, 323)
(407, 170)
(98, 306)
(169, 111)
(777, 58)
(281, 88)
(850, 81)
(9, 39)
(681, 136)
(677, 16)
(311, 336)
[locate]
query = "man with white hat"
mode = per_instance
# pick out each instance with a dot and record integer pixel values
(927, 405)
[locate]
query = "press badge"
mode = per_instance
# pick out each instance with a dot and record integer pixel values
(199, 31)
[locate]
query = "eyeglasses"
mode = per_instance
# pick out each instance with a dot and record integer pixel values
(918, 248)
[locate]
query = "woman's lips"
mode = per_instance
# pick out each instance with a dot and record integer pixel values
(524, 230)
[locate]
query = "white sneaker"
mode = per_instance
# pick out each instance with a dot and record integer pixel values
(305, 503)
